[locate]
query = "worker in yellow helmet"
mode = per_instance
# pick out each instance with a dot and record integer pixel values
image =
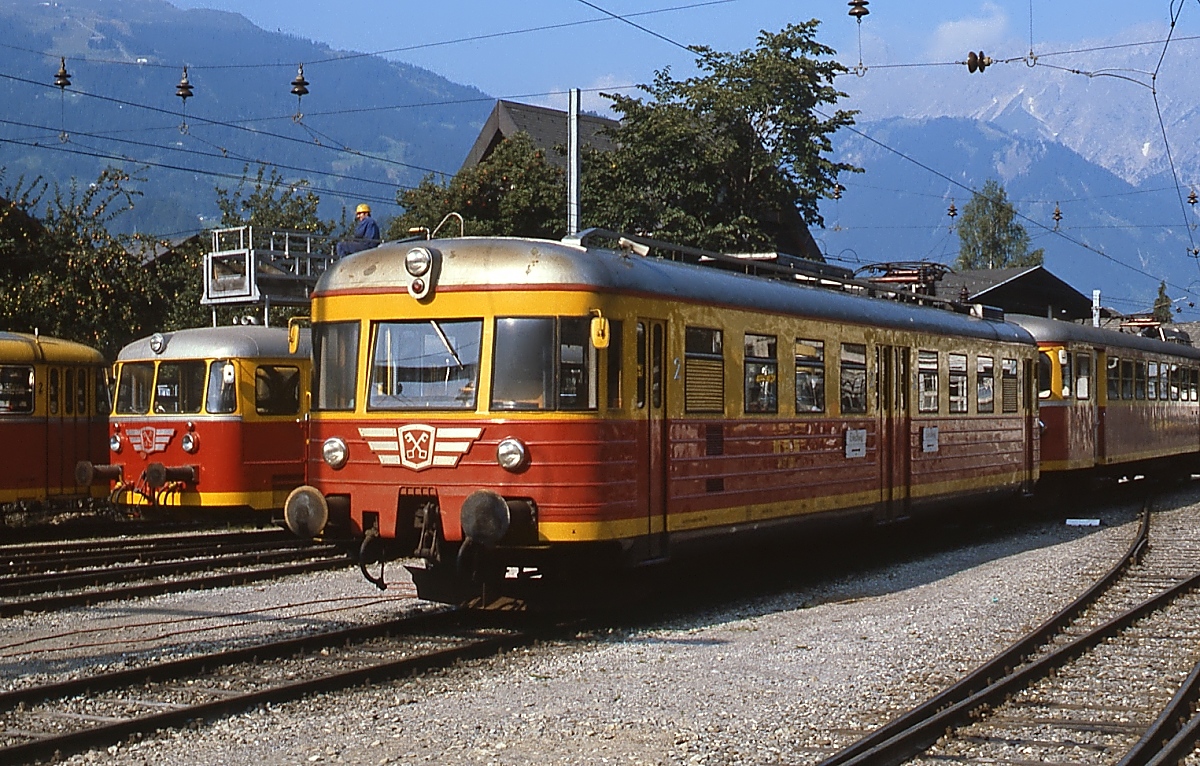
(366, 232)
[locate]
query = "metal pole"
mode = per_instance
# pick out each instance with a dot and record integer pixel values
(573, 162)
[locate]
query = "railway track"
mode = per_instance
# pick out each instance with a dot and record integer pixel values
(58, 719)
(1109, 679)
(56, 575)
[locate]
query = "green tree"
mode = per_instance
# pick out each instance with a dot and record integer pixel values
(515, 191)
(732, 159)
(990, 236)
(1162, 305)
(270, 202)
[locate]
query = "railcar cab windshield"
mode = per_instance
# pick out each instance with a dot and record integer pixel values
(537, 363)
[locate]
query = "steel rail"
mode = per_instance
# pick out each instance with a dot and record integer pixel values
(1173, 734)
(222, 580)
(20, 555)
(105, 734)
(1000, 665)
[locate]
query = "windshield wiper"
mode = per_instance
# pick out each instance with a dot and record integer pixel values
(446, 342)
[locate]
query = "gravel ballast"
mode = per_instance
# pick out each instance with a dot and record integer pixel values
(785, 678)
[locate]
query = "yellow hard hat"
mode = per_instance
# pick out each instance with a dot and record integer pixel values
(363, 208)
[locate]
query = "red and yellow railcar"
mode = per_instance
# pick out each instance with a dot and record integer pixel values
(53, 413)
(207, 419)
(1114, 403)
(532, 408)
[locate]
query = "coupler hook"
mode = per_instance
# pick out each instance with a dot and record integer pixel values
(365, 556)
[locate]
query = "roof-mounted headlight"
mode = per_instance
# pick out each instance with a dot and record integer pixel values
(418, 261)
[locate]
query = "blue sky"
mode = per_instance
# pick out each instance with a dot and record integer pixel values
(608, 53)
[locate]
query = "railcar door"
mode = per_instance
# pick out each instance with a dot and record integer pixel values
(650, 405)
(891, 386)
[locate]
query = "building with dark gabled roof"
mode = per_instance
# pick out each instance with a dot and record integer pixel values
(547, 127)
(1019, 290)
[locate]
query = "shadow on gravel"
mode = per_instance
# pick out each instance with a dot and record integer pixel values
(845, 566)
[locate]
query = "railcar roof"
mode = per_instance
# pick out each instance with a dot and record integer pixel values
(235, 341)
(491, 261)
(19, 347)
(1057, 331)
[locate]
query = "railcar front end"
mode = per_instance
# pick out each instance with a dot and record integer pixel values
(206, 420)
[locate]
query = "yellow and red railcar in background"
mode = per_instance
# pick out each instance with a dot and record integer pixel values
(53, 413)
(512, 410)
(1113, 403)
(207, 419)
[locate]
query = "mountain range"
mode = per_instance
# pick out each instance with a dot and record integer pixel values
(1101, 136)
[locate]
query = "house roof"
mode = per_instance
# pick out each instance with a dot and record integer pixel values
(547, 127)
(1021, 290)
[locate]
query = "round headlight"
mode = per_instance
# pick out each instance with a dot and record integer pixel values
(511, 454)
(417, 261)
(335, 453)
(190, 442)
(114, 442)
(158, 342)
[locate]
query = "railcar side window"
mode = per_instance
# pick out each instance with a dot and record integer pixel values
(425, 365)
(68, 391)
(616, 351)
(335, 365)
(1008, 385)
(133, 388)
(1045, 369)
(1126, 379)
(576, 365)
(1174, 382)
(854, 379)
(1164, 383)
(1139, 380)
(1083, 376)
(179, 388)
(81, 391)
(1194, 385)
(927, 381)
(958, 382)
(16, 389)
(276, 390)
(52, 392)
(761, 374)
(704, 370)
(1152, 386)
(985, 384)
(1112, 374)
(222, 388)
(810, 375)
(104, 403)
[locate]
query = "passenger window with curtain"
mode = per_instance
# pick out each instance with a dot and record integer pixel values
(134, 387)
(761, 374)
(1009, 381)
(958, 382)
(222, 387)
(179, 388)
(425, 365)
(985, 385)
(1083, 376)
(810, 376)
(276, 390)
(927, 381)
(703, 370)
(335, 365)
(853, 384)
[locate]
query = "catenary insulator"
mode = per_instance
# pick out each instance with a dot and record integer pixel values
(300, 85)
(62, 79)
(1057, 213)
(952, 211)
(977, 62)
(1192, 197)
(184, 89)
(858, 9)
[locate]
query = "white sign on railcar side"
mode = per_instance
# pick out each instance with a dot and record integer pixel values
(856, 442)
(929, 439)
